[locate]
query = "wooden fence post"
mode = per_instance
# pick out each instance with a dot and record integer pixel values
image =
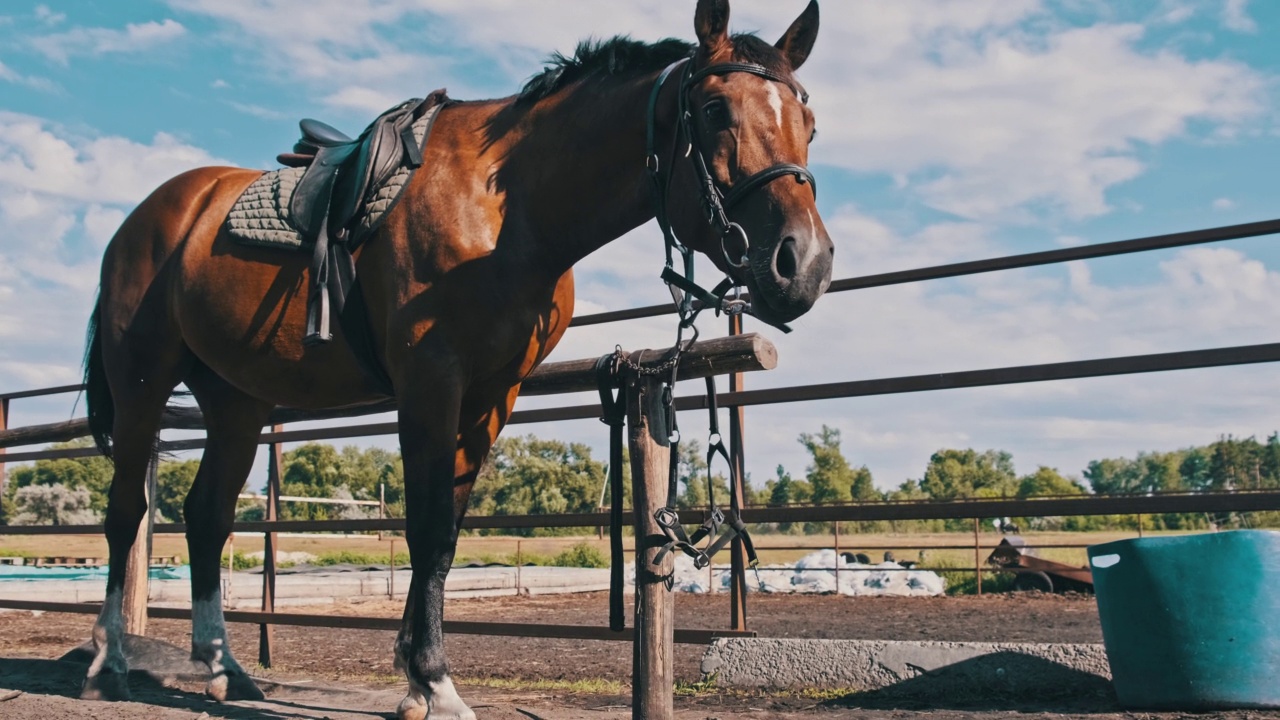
(4, 425)
(269, 548)
(977, 554)
(138, 569)
(835, 535)
(653, 675)
(737, 454)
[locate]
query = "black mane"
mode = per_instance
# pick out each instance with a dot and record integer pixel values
(620, 56)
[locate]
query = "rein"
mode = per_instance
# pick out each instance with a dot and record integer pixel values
(684, 289)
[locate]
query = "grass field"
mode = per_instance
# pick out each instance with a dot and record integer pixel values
(941, 549)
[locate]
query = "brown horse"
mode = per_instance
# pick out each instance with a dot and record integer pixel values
(468, 285)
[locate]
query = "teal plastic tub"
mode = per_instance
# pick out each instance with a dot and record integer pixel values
(1192, 622)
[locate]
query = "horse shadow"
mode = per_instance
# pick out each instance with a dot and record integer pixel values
(161, 675)
(1002, 681)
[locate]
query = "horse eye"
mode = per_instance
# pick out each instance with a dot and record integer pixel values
(813, 134)
(716, 113)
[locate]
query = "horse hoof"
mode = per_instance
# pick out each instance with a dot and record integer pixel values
(230, 688)
(411, 709)
(106, 685)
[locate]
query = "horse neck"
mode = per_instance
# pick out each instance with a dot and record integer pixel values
(580, 168)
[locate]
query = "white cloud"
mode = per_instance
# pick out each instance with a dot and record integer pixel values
(362, 98)
(109, 169)
(47, 16)
(62, 197)
(134, 38)
(257, 111)
(1223, 203)
(8, 74)
(101, 223)
(1235, 16)
(994, 110)
(989, 120)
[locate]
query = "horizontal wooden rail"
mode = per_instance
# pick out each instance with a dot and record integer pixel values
(690, 636)
(956, 509)
(717, 356)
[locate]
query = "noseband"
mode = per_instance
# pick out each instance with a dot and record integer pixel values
(715, 202)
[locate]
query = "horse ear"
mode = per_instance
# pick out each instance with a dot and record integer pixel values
(711, 23)
(797, 41)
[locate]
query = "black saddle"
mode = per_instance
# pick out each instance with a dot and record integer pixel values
(341, 174)
(341, 170)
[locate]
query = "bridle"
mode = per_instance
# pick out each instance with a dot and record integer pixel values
(717, 529)
(716, 202)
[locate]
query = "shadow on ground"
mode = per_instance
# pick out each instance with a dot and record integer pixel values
(162, 676)
(985, 684)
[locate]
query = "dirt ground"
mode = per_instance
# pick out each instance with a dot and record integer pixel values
(522, 678)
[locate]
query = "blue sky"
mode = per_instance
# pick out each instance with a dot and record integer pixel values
(948, 130)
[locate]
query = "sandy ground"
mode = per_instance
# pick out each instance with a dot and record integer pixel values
(313, 664)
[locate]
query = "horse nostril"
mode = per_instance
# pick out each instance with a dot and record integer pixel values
(787, 260)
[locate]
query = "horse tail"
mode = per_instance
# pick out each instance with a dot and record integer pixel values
(97, 393)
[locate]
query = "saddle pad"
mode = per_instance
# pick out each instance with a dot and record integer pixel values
(261, 215)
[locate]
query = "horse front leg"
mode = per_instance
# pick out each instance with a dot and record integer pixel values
(429, 447)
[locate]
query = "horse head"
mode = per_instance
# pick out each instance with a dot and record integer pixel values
(746, 199)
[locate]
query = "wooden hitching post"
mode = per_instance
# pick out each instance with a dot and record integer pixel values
(137, 570)
(737, 454)
(652, 669)
(269, 548)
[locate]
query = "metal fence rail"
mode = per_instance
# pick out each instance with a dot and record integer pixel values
(1268, 500)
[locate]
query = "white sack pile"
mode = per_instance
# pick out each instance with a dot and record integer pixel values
(806, 576)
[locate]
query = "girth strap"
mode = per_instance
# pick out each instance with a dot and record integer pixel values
(613, 412)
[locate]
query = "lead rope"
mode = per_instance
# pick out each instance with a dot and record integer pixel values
(613, 412)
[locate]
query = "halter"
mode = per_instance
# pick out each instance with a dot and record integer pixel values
(716, 202)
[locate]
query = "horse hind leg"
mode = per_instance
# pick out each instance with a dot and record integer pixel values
(126, 507)
(137, 421)
(233, 422)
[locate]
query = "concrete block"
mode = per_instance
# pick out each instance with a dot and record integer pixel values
(916, 669)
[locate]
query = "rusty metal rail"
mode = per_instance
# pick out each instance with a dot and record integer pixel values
(691, 636)
(1251, 501)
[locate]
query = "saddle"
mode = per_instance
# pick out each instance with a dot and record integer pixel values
(342, 177)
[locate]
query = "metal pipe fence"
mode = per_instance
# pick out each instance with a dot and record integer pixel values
(1251, 501)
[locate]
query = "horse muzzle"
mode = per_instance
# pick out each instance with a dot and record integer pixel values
(789, 276)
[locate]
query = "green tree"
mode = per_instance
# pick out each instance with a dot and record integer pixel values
(1048, 481)
(783, 491)
(91, 473)
(529, 475)
(173, 482)
(968, 473)
(53, 505)
(830, 474)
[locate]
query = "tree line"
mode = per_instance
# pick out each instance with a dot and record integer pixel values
(532, 475)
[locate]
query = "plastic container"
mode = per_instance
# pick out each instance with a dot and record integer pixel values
(1192, 622)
